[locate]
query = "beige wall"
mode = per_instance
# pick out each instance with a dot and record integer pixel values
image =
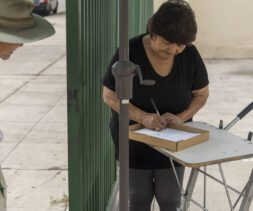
(225, 27)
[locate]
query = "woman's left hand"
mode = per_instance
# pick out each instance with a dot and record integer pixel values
(172, 119)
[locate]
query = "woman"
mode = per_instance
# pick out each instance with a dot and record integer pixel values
(166, 55)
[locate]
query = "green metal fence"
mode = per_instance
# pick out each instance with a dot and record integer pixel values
(139, 12)
(92, 37)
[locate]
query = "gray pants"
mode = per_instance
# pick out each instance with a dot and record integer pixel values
(144, 185)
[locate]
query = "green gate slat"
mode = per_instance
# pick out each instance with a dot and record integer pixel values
(92, 38)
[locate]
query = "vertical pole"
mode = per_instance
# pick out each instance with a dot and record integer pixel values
(189, 189)
(123, 116)
(123, 157)
(123, 30)
(204, 187)
(247, 198)
(124, 71)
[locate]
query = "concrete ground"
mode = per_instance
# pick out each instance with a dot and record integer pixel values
(34, 120)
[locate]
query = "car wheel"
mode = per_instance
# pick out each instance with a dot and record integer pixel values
(56, 8)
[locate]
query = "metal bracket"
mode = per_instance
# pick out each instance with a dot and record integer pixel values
(221, 124)
(250, 136)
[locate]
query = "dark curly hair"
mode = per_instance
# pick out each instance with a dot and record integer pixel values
(175, 22)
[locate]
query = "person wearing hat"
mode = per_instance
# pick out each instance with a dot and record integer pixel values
(18, 25)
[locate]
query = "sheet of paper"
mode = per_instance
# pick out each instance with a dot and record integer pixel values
(168, 134)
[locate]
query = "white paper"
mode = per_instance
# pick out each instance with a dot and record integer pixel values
(168, 134)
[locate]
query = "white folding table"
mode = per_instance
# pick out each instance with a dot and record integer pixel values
(221, 147)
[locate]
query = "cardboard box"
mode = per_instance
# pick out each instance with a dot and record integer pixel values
(170, 145)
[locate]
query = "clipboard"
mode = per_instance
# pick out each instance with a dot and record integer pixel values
(203, 135)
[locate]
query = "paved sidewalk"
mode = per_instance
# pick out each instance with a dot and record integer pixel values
(33, 118)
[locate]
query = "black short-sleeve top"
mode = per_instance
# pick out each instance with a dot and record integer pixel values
(172, 93)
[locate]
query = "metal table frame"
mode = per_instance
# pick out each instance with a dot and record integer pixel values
(246, 193)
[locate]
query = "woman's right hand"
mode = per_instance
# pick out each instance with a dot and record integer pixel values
(153, 121)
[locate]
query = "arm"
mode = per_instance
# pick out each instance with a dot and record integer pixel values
(148, 120)
(199, 100)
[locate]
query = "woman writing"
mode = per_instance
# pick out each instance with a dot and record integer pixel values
(165, 54)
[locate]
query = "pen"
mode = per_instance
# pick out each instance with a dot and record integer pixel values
(156, 110)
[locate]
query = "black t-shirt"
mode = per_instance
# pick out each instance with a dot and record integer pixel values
(172, 93)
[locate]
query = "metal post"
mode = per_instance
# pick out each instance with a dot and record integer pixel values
(232, 123)
(238, 199)
(204, 201)
(123, 156)
(247, 198)
(124, 71)
(222, 183)
(242, 114)
(123, 30)
(189, 189)
(123, 115)
(177, 178)
(226, 187)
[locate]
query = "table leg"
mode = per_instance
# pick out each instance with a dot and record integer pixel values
(189, 189)
(247, 198)
(226, 187)
(204, 203)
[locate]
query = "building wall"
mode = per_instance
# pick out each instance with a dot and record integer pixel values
(224, 27)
